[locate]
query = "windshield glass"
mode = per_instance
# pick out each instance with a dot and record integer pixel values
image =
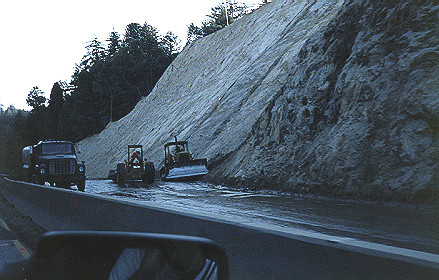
(178, 148)
(57, 148)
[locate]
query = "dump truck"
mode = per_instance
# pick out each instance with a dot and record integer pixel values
(135, 168)
(179, 163)
(54, 162)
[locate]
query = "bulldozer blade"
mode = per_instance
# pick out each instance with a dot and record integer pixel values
(189, 169)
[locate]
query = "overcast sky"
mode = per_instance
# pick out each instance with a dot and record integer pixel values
(42, 40)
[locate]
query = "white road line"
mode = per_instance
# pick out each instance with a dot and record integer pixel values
(17, 243)
(21, 248)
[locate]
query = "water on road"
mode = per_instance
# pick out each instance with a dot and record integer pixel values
(407, 226)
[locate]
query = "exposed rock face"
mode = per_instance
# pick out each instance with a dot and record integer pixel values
(333, 97)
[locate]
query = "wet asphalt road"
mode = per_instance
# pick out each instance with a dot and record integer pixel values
(407, 226)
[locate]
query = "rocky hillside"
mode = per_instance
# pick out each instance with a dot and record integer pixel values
(330, 97)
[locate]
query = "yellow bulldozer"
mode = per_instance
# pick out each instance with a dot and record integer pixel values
(179, 163)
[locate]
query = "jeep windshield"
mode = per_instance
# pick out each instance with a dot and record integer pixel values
(56, 148)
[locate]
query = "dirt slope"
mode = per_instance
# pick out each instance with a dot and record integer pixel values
(335, 97)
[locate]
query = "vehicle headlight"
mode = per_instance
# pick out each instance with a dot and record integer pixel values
(42, 171)
(81, 169)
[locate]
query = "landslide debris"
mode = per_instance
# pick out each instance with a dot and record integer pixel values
(327, 97)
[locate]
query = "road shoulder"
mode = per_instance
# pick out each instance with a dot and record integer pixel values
(21, 226)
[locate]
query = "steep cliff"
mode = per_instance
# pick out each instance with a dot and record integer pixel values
(333, 97)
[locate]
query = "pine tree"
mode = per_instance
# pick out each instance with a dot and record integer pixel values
(55, 109)
(114, 43)
(95, 52)
(170, 44)
(36, 99)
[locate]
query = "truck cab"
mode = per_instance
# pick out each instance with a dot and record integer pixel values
(54, 162)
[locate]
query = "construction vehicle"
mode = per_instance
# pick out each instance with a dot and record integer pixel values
(135, 168)
(54, 162)
(179, 163)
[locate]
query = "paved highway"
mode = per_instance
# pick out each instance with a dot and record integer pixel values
(258, 220)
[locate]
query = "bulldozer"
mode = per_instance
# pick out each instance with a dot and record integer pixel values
(135, 168)
(179, 163)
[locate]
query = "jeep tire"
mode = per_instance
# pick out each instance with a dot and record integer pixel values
(121, 174)
(149, 175)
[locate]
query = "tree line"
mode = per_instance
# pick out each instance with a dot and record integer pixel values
(106, 85)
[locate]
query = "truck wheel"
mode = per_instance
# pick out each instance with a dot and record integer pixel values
(112, 175)
(37, 180)
(121, 174)
(26, 176)
(81, 185)
(149, 176)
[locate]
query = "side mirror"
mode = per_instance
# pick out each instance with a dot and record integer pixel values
(121, 255)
